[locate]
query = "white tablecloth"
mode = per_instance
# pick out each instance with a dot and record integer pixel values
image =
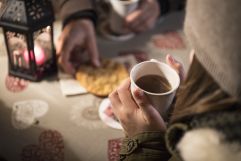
(72, 121)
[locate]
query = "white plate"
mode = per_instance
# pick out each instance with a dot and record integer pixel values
(105, 118)
(104, 31)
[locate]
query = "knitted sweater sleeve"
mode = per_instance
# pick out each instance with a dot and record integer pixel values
(69, 10)
(145, 146)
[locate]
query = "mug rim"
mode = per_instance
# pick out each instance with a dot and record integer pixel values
(159, 63)
(126, 2)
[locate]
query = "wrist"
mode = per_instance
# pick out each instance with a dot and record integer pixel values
(82, 15)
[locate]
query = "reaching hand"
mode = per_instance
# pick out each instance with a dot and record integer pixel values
(77, 35)
(135, 116)
(143, 18)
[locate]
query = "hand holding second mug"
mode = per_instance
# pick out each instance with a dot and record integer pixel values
(135, 116)
(144, 17)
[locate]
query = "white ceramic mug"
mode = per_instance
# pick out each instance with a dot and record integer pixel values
(161, 101)
(120, 9)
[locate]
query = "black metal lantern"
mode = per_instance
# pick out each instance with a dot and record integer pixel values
(28, 32)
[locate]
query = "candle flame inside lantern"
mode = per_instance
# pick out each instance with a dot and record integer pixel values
(39, 55)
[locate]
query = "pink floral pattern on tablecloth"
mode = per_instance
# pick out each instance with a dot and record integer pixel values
(168, 40)
(15, 84)
(114, 149)
(49, 148)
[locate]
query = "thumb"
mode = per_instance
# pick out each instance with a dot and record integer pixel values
(176, 65)
(142, 101)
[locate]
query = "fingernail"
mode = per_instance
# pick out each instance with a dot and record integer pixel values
(140, 93)
(97, 63)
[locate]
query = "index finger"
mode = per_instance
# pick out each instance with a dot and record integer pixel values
(93, 51)
(125, 95)
(65, 54)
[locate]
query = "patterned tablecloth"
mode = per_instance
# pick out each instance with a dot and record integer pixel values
(68, 128)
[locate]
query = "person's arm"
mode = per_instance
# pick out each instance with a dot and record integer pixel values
(66, 8)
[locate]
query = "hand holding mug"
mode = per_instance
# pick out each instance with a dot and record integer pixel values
(144, 17)
(136, 116)
(134, 110)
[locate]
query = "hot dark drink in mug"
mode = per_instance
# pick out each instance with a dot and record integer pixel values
(153, 84)
(158, 81)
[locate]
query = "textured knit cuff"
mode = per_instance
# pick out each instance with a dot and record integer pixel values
(84, 14)
(148, 140)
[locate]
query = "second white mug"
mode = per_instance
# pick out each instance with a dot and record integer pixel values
(120, 9)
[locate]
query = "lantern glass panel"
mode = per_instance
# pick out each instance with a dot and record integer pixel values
(43, 45)
(2, 5)
(18, 50)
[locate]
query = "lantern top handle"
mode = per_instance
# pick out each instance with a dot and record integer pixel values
(26, 14)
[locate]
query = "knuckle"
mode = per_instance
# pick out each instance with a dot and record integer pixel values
(111, 96)
(121, 89)
(123, 118)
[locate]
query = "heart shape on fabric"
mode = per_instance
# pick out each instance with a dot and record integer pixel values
(25, 113)
(49, 148)
(114, 146)
(168, 40)
(15, 84)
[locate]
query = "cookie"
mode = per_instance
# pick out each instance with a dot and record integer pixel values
(103, 80)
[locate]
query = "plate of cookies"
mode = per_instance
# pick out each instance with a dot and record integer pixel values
(107, 116)
(103, 80)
